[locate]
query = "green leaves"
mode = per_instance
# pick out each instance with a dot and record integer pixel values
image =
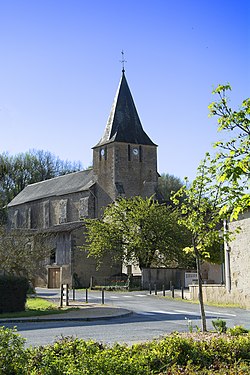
(233, 156)
(138, 231)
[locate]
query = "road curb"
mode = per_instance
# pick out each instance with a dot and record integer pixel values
(65, 319)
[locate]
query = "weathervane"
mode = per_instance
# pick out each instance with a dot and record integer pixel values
(123, 61)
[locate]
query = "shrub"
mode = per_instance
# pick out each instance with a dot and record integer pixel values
(237, 331)
(13, 356)
(220, 325)
(13, 292)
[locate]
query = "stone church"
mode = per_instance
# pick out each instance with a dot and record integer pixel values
(124, 164)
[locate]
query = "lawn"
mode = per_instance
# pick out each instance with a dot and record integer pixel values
(36, 307)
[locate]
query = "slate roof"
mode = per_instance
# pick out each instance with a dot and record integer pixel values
(124, 124)
(69, 183)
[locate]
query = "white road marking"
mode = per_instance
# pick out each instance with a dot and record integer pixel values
(140, 295)
(165, 312)
(185, 312)
(218, 313)
(144, 313)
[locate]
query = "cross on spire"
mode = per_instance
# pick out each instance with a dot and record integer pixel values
(123, 61)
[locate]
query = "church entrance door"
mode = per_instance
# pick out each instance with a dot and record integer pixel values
(54, 277)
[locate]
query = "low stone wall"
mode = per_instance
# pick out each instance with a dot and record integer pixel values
(218, 294)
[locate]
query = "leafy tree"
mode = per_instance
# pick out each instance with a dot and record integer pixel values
(233, 155)
(200, 205)
(167, 184)
(138, 231)
(23, 253)
(18, 171)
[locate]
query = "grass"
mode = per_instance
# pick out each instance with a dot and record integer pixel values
(36, 307)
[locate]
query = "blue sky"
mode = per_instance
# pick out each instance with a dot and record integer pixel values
(60, 68)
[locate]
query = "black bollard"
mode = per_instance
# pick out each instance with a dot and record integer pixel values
(86, 296)
(172, 290)
(103, 296)
(155, 289)
(163, 290)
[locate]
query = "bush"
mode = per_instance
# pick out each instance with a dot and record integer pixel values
(13, 356)
(172, 355)
(13, 292)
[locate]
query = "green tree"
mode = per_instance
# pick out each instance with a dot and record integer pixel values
(200, 205)
(233, 155)
(167, 184)
(138, 231)
(18, 171)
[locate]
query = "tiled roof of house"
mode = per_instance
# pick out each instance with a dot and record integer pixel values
(124, 124)
(69, 183)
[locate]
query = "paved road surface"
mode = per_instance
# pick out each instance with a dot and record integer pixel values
(153, 316)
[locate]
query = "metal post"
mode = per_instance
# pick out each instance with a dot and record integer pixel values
(67, 294)
(155, 289)
(86, 296)
(163, 290)
(172, 289)
(74, 294)
(61, 297)
(103, 296)
(150, 290)
(182, 292)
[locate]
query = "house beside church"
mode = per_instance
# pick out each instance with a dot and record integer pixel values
(124, 164)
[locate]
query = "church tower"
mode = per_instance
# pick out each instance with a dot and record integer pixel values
(125, 159)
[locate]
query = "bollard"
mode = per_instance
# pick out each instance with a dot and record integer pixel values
(172, 290)
(163, 290)
(182, 292)
(103, 296)
(155, 289)
(74, 294)
(150, 290)
(86, 295)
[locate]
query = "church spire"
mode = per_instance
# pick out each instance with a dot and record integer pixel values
(124, 124)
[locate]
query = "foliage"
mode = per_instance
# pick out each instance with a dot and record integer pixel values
(233, 155)
(22, 169)
(138, 231)
(23, 252)
(13, 356)
(200, 204)
(220, 325)
(237, 330)
(167, 184)
(13, 291)
(172, 355)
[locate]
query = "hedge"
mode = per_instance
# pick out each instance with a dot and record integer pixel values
(173, 355)
(13, 291)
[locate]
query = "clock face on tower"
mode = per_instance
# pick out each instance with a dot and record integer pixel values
(102, 152)
(135, 151)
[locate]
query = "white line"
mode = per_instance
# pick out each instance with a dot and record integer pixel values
(144, 313)
(186, 312)
(165, 312)
(218, 313)
(140, 295)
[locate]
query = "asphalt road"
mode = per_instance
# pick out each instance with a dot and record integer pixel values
(153, 317)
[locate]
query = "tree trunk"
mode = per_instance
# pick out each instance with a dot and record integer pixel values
(200, 294)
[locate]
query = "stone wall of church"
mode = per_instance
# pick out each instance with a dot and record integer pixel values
(45, 213)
